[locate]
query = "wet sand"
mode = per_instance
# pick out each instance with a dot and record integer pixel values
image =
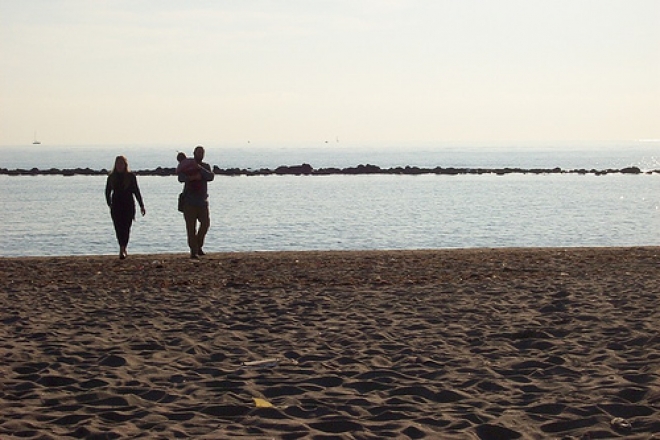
(456, 344)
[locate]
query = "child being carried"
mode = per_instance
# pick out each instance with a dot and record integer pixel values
(186, 165)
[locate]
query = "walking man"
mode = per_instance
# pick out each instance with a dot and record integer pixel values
(196, 203)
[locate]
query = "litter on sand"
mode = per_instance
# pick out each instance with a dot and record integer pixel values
(262, 403)
(264, 363)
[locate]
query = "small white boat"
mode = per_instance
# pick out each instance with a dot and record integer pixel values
(36, 142)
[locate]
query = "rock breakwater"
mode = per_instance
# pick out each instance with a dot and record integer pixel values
(309, 170)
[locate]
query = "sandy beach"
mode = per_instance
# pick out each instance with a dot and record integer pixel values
(447, 344)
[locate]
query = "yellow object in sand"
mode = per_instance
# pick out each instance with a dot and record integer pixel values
(262, 403)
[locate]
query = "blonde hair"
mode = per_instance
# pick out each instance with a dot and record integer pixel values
(116, 175)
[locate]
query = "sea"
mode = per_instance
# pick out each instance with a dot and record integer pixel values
(58, 215)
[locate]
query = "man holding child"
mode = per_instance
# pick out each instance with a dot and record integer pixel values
(195, 175)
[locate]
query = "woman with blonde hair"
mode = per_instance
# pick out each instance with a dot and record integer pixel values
(120, 189)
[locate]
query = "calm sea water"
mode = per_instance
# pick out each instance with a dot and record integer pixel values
(645, 155)
(56, 215)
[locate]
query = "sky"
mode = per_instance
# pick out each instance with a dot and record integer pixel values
(87, 72)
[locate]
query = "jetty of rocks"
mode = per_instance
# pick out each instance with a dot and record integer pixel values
(308, 170)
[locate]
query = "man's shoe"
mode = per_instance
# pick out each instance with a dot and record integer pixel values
(200, 252)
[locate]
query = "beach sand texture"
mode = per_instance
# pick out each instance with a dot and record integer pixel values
(456, 344)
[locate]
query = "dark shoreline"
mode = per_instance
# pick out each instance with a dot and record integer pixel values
(308, 170)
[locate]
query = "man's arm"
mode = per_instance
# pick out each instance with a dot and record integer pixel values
(205, 171)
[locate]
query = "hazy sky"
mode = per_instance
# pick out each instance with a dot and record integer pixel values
(365, 71)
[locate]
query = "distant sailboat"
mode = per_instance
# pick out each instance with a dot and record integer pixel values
(36, 142)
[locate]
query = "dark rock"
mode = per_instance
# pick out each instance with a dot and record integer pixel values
(307, 169)
(296, 169)
(362, 169)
